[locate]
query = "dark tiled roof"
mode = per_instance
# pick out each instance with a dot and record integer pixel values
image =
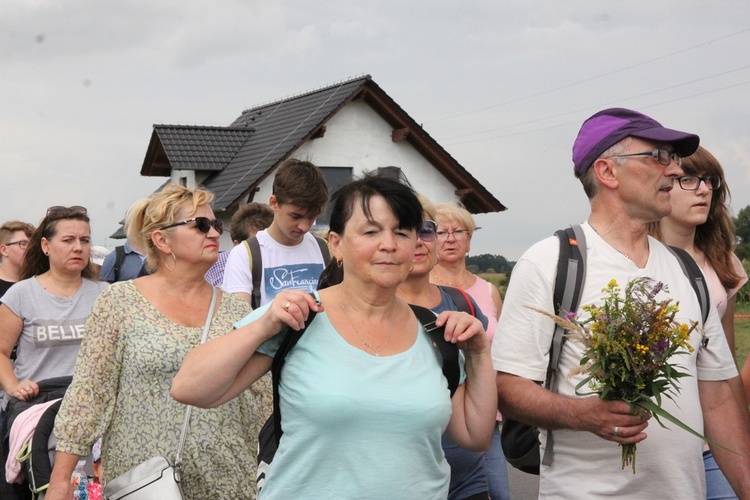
(243, 154)
(280, 128)
(201, 148)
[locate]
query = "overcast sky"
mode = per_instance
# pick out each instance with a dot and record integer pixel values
(502, 85)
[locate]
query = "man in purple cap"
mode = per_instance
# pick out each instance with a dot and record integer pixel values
(627, 163)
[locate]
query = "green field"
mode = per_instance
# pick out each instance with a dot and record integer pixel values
(742, 335)
(741, 326)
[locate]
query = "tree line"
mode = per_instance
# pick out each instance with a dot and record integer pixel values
(487, 263)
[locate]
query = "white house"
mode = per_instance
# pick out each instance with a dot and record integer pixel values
(345, 129)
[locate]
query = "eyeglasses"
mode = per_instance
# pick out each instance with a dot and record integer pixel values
(693, 182)
(662, 156)
(458, 234)
(427, 231)
(59, 212)
(203, 224)
(21, 244)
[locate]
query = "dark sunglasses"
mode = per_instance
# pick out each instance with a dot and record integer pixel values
(203, 224)
(59, 212)
(427, 231)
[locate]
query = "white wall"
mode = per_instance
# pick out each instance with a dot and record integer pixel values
(358, 137)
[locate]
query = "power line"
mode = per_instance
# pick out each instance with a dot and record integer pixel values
(671, 87)
(601, 106)
(614, 72)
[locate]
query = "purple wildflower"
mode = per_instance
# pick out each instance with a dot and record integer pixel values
(572, 315)
(661, 346)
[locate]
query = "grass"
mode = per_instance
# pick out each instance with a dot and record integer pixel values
(742, 334)
(741, 326)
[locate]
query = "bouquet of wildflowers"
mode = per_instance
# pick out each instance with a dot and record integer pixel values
(628, 342)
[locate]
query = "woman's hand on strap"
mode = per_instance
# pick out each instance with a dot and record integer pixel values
(26, 390)
(463, 329)
(289, 308)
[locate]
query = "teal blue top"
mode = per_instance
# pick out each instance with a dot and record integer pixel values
(357, 425)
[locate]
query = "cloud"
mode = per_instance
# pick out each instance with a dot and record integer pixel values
(503, 86)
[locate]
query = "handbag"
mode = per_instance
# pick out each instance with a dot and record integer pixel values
(158, 477)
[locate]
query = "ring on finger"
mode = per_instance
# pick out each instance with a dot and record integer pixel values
(617, 431)
(286, 306)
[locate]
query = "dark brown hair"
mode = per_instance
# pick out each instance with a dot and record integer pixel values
(301, 183)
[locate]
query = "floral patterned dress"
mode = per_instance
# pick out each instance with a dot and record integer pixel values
(121, 391)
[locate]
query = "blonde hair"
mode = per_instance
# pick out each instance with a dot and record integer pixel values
(151, 214)
(427, 207)
(449, 212)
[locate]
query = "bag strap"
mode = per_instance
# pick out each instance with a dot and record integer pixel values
(460, 298)
(571, 275)
(695, 275)
(324, 251)
(448, 351)
(183, 434)
(119, 258)
(291, 337)
(256, 269)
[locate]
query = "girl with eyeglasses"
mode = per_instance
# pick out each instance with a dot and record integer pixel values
(701, 223)
(136, 338)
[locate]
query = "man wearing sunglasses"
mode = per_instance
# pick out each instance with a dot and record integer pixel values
(14, 237)
(628, 164)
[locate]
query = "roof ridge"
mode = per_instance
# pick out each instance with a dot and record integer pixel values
(291, 97)
(202, 127)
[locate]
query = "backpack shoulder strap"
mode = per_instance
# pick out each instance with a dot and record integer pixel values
(461, 299)
(448, 352)
(571, 274)
(323, 244)
(291, 337)
(119, 259)
(256, 269)
(697, 280)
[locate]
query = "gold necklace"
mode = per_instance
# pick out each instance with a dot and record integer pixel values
(376, 350)
(441, 280)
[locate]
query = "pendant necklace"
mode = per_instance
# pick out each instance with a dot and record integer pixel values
(376, 350)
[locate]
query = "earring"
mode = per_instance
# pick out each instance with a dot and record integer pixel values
(339, 263)
(175, 262)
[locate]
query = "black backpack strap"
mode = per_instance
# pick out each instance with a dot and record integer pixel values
(119, 259)
(291, 337)
(697, 280)
(323, 244)
(461, 299)
(256, 269)
(571, 275)
(448, 351)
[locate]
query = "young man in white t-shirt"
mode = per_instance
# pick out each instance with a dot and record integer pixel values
(291, 257)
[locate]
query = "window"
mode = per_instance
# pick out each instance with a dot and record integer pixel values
(335, 178)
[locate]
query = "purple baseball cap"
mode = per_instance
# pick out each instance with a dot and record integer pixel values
(606, 128)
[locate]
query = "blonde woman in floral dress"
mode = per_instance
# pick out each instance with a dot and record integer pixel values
(136, 338)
